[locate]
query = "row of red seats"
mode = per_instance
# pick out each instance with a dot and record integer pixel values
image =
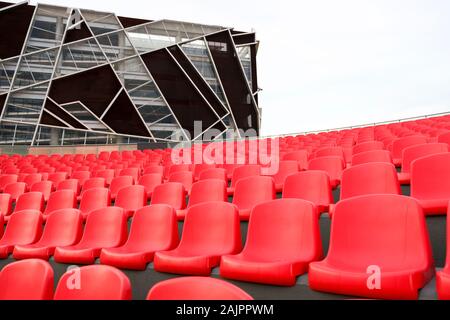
(33, 280)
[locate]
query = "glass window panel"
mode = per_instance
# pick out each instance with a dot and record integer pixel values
(7, 69)
(83, 115)
(244, 53)
(101, 22)
(26, 105)
(16, 134)
(116, 46)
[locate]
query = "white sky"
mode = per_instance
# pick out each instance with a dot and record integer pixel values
(327, 63)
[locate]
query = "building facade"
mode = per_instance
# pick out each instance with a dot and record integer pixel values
(71, 76)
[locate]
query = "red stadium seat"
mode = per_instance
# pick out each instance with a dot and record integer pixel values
(119, 183)
(69, 184)
(150, 181)
(443, 276)
(130, 199)
(5, 204)
(64, 199)
(301, 156)
(6, 179)
(96, 282)
(184, 177)
(372, 156)
(398, 145)
(311, 185)
(285, 169)
(178, 168)
(154, 169)
(29, 201)
(171, 193)
(63, 228)
(389, 242)
(24, 227)
(276, 251)
(332, 165)
(418, 151)
(154, 228)
(31, 179)
(92, 183)
(199, 168)
(81, 176)
(243, 172)
(105, 228)
(196, 288)
(27, 280)
(367, 146)
(217, 173)
(107, 174)
(210, 231)
(330, 152)
(430, 182)
(57, 177)
(132, 172)
(44, 187)
(252, 191)
(205, 191)
(94, 199)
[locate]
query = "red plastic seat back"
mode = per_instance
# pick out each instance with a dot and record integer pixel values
(285, 169)
(6, 179)
(184, 177)
(421, 150)
(133, 172)
(119, 183)
(196, 288)
(199, 168)
(44, 187)
(154, 169)
(367, 146)
(30, 279)
(5, 204)
(15, 189)
(372, 156)
(398, 145)
(30, 201)
(57, 177)
(208, 190)
(96, 282)
(30, 179)
(69, 184)
(369, 178)
(273, 231)
(330, 152)
(331, 165)
(150, 181)
(385, 230)
(131, 198)
(94, 199)
(171, 193)
(311, 185)
(24, 227)
(63, 228)
(245, 171)
(63, 199)
(217, 173)
(211, 228)
(430, 177)
(252, 191)
(82, 176)
(301, 156)
(93, 183)
(154, 226)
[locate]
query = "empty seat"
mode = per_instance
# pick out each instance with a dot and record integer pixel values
(97, 282)
(29, 201)
(63, 199)
(379, 248)
(398, 145)
(31, 179)
(154, 228)
(81, 176)
(283, 238)
(184, 177)
(178, 168)
(210, 231)
(27, 280)
(94, 199)
(333, 166)
(15, 190)
(418, 151)
(24, 227)
(242, 172)
(57, 177)
(6, 179)
(107, 174)
(217, 173)
(199, 168)
(301, 156)
(171, 193)
(132, 172)
(369, 178)
(70, 184)
(430, 182)
(372, 156)
(131, 199)
(196, 288)
(44, 187)
(252, 191)
(154, 169)
(5, 204)
(205, 191)
(443, 276)
(63, 228)
(105, 228)
(92, 183)
(367, 146)
(311, 185)
(118, 183)
(330, 152)
(150, 181)
(285, 169)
